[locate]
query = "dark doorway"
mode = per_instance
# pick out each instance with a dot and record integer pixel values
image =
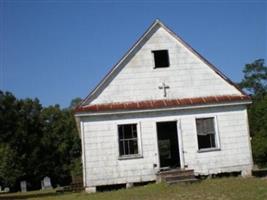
(168, 145)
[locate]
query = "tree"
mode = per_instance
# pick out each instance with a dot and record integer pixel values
(60, 144)
(36, 142)
(258, 116)
(258, 127)
(10, 171)
(259, 149)
(8, 116)
(76, 163)
(255, 82)
(75, 102)
(255, 78)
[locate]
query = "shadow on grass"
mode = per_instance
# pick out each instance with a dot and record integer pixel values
(28, 196)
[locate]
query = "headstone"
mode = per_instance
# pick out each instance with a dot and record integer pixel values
(47, 183)
(23, 186)
(42, 184)
(6, 189)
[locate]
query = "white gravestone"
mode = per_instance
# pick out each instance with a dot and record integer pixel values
(46, 183)
(42, 184)
(23, 186)
(6, 189)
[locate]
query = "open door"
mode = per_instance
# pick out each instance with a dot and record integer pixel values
(168, 145)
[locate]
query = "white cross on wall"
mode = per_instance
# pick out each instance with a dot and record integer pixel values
(164, 87)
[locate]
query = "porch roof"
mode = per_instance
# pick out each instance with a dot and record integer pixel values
(162, 103)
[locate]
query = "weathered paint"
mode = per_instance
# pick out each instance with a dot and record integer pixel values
(101, 150)
(189, 77)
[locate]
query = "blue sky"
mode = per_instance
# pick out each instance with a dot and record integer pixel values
(59, 50)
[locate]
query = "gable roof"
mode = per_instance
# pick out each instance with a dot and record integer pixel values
(134, 49)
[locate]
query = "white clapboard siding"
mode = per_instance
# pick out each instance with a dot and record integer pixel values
(100, 140)
(187, 76)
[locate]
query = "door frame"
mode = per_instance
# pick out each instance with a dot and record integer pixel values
(179, 138)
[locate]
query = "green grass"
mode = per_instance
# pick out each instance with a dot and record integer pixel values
(212, 189)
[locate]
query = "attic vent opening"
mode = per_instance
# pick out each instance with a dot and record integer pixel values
(161, 58)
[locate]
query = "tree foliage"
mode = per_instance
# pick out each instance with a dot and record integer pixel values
(255, 78)
(258, 115)
(10, 171)
(36, 142)
(75, 102)
(255, 82)
(259, 148)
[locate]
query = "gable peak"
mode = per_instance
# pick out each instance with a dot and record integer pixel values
(158, 23)
(135, 48)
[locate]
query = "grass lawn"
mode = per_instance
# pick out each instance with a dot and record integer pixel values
(212, 189)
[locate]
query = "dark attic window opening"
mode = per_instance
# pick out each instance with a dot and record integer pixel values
(161, 58)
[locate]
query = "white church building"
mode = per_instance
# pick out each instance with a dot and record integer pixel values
(162, 107)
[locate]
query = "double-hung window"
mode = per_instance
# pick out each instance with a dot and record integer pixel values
(128, 140)
(206, 133)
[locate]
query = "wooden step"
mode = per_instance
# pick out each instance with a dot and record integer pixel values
(177, 175)
(180, 174)
(177, 178)
(176, 172)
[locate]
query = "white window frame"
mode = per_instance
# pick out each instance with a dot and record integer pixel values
(139, 141)
(217, 136)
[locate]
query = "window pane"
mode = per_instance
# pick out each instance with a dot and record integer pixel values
(209, 125)
(199, 123)
(127, 131)
(205, 126)
(134, 132)
(121, 132)
(212, 140)
(121, 148)
(126, 143)
(204, 141)
(133, 147)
